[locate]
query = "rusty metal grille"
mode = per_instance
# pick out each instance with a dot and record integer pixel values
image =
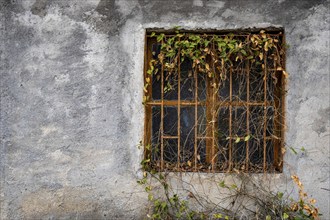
(192, 126)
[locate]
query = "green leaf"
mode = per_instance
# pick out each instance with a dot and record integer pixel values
(217, 216)
(222, 184)
(247, 138)
(285, 216)
(268, 217)
(160, 37)
(152, 34)
(280, 195)
(293, 150)
(243, 52)
(148, 188)
(233, 186)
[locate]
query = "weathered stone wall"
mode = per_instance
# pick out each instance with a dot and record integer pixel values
(71, 93)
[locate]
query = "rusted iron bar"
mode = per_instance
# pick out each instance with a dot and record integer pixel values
(203, 103)
(265, 113)
(179, 109)
(162, 116)
(230, 118)
(170, 137)
(247, 113)
(196, 119)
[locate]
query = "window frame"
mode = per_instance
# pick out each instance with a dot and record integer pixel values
(210, 101)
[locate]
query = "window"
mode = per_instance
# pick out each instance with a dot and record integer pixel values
(214, 101)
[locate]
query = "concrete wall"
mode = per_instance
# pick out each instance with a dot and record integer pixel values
(71, 94)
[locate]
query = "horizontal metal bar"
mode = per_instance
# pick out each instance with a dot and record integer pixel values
(170, 137)
(204, 138)
(174, 103)
(219, 104)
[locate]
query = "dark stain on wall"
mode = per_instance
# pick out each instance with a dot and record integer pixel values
(39, 8)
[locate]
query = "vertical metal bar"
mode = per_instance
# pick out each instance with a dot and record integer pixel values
(208, 119)
(282, 95)
(265, 112)
(247, 113)
(277, 129)
(162, 117)
(196, 118)
(148, 109)
(213, 112)
(179, 108)
(230, 117)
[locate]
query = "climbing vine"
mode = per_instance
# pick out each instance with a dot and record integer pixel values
(167, 201)
(213, 54)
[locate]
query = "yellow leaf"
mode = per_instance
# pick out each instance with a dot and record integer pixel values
(207, 66)
(286, 75)
(266, 46)
(189, 163)
(279, 68)
(261, 55)
(147, 79)
(247, 138)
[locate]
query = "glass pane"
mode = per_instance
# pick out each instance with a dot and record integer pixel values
(170, 121)
(256, 77)
(224, 89)
(239, 85)
(156, 81)
(223, 153)
(187, 120)
(201, 125)
(256, 154)
(271, 83)
(201, 151)
(239, 154)
(155, 137)
(201, 80)
(270, 121)
(257, 121)
(187, 80)
(170, 85)
(170, 151)
(239, 121)
(269, 154)
(223, 123)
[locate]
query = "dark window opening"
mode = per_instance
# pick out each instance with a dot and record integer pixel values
(238, 126)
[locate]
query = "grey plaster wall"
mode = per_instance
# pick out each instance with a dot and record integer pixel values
(71, 93)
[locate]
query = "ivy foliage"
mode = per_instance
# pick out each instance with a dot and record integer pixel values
(213, 54)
